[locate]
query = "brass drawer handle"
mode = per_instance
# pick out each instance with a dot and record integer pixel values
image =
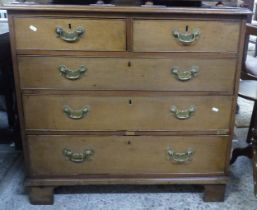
(76, 114)
(185, 75)
(78, 157)
(183, 113)
(70, 36)
(72, 74)
(180, 157)
(186, 38)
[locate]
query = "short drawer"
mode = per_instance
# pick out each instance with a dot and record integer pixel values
(185, 35)
(113, 155)
(114, 113)
(70, 34)
(153, 74)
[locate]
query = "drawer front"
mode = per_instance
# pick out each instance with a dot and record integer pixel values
(175, 74)
(171, 35)
(173, 113)
(70, 34)
(88, 155)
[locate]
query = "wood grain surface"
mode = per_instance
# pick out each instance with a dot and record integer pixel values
(127, 73)
(100, 34)
(127, 112)
(125, 155)
(156, 35)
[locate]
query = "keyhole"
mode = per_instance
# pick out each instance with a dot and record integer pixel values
(129, 64)
(186, 28)
(69, 26)
(129, 142)
(130, 101)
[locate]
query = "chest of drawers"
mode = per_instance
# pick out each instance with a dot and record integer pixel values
(126, 95)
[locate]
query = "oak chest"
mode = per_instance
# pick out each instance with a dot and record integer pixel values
(126, 95)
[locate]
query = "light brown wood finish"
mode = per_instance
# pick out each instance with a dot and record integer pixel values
(125, 54)
(100, 34)
(139, 180)
(127, 113)
(18, 94)
(125, 155)
(214, 193)
(106, 10)
(126, 101)
(41, 195)
(236, 86)
(127, 74)
(156, 36)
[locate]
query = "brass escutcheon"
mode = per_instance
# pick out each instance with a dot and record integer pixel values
(186, 37)
(78, 157)
(183, 114)
(76, 114)
(184, 75)
(180, 157)
(72, 74)
(69, 36)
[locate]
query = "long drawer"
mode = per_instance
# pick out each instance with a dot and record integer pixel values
(185, 35)
(85, 155)
(174, 74)
(172, 113)
(70, 34)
